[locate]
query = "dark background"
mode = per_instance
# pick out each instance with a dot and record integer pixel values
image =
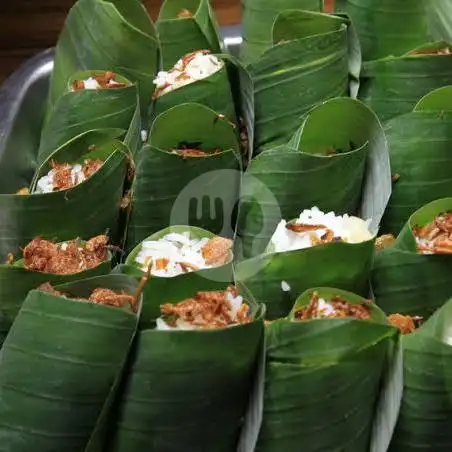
(29, 26)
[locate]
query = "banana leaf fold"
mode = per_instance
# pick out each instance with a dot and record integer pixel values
(75, 112)
(393, 85)
(406, 282)
(323, 379)
(314, 57)
(59, 365)
(115, 35)
(258, 17)
(173, 189)
(185, 26)
(338, 160)
(421, 158)
(426, 410)
(159, 412)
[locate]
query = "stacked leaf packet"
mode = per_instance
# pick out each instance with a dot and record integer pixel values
(213, 248)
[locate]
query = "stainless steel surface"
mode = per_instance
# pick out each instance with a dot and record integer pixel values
(22, 106)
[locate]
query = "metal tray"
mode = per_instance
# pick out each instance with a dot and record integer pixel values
(23, 98)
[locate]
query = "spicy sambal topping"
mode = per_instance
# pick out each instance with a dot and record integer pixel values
(65, 258)
(405, 323)
(98, 296)
(99, 80)
(205, 311)
(64, 176)
(336, 307)
(435, 237)
(178, 253)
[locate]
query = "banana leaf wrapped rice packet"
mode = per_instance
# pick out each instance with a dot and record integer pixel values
(412, 276)
(62, 360)
(315, 249)
(212, 340)
(325, 363)
(45, 261)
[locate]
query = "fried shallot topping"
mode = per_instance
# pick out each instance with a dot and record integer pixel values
(327, 237)
(64, 177)
(105, 80)
(65, 258)
(193, 152)
(405, 323)
(98, 296)
(435, 237)
(443, 51)
(336, 307)
(184, 13)
(208, 310)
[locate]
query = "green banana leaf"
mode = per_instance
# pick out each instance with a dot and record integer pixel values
(117, 35)
(159, 412)
(393, 86)
(420, 144)
(166, 290)
(323, 379)
(59, 364)
(424, 420)
(180, 35)
(342, 265)
(314, 57)
(76, 112)
(198, 191)
(258, 17)
(283, 181)
(388, 27)
(16, 281)
(409, 283)
(213, 92)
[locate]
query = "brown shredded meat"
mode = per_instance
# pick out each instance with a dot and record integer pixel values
(327, 237)
(184, 13)
(217, 251)
(384, 241)
(342, 308)
(67, 258)
(106, 80)
(193, 152)
(435, 237)
(91, 166)
(206, 310)
(98, 296)
(405, 323)
(23, 191)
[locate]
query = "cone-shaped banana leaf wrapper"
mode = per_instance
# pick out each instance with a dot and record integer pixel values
(314, 57)
(77, 111)
(213, 91)
(173, 286)
(173, 186)
(407, 282)
(323, 379)
(60, 364)
(338, 160)
(277, 278)
(420, 145)
(426, 410)
(188, 390)
(87, 209)
(388, 27)
(393, 85)
(185, 26)
(115, 35)
(258, 19)
(16, 281)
